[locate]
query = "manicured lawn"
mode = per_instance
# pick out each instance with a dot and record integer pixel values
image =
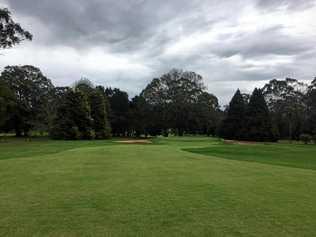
(292, 155)
(173, 187)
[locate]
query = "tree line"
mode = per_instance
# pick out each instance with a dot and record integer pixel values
(175, 103)
(282, 109)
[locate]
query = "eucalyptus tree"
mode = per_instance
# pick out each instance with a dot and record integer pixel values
(285, 99)
(174, 98)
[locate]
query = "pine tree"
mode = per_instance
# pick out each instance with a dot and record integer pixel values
(258, 122)
(99, 115)
(233, 125)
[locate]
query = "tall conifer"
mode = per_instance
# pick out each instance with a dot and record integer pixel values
(233, 125)
(258, 122)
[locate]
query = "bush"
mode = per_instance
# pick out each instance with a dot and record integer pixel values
(314, 139)
(306, 138)
(65, 133)
(88, 134)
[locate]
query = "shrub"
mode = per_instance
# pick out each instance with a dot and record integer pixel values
(306, 138)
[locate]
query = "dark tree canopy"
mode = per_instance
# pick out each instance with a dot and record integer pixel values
(139, 116)
(177, 86)
(32, 92)
(233, 126)
(258, 121)
(11, 33)
(73, 119)
(174, 99)
(310, 98)
(119, 107)
(98, 107)
(7, 103)
(285, 99)
(101, 124)
(204, 115)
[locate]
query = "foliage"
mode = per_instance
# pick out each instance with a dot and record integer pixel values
(119, 111)
(11, 33)
(32, 91)
(179, 102)
(139, 113)
(285, 99)
(7, 103)
(258, 126)
(306, 138)
(73, 119)
(233, 126)
(99, 115)
(310, 99)
(98, 106)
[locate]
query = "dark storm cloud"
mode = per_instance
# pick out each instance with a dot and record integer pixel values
(123, 24)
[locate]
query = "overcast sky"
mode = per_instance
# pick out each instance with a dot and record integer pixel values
(125, 43)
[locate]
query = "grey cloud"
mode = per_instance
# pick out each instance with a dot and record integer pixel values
(122, 24)
(290, 4)
(263, 42)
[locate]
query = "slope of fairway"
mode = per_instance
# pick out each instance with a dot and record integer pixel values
(299, 156)
(106, 189)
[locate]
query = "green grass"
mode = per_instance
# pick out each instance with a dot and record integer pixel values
(292, 155)
(102, 188)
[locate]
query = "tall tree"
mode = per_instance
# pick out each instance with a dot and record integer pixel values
(32, 91)
(11, 33)
(7, 102)
(173, 97)
(310, 98)
(206, 114)
(285, 99)
(73, 120)
(119, 115)
(139, 116)
(98, 106)
(233, 126)
(99, 115)
(258, 121)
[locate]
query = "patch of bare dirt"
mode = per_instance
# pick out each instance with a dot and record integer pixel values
(240, 142)
(135, 141)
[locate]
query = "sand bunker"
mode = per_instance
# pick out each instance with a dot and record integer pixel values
(240, 142)
(135, 141)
